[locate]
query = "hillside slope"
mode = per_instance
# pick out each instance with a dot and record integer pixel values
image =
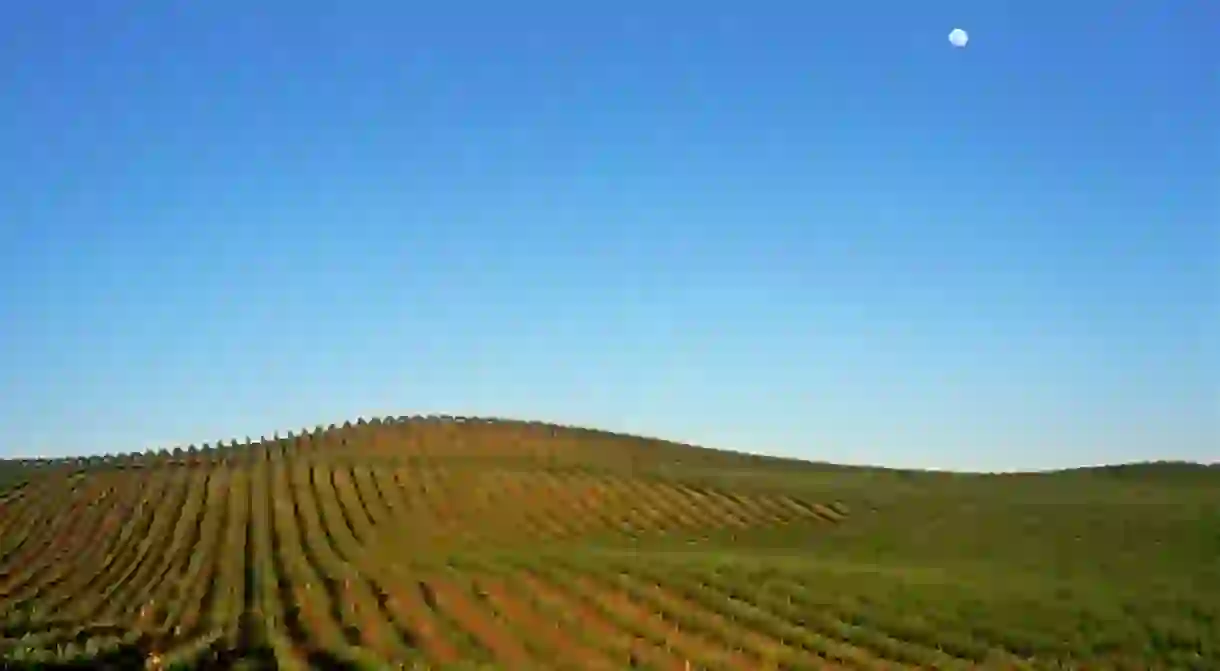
(432, 541)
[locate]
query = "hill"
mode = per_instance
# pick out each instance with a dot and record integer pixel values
(439, 541)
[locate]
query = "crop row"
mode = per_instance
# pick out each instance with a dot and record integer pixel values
(320, 561)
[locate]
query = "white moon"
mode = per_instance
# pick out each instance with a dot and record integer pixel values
(958, 37)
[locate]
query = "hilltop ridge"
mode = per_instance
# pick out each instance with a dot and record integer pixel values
(635, 443)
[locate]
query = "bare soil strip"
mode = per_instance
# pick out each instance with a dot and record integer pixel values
(45, 542)
(633, 649)
(149, 598)
(46, 582)
(763, 649)
(506, 648)
(155, 538)
(691, 646)
(195, 601)
(548, 631)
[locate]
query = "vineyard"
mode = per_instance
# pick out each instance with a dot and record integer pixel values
(444, 542)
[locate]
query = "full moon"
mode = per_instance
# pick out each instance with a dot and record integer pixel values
(958, 37)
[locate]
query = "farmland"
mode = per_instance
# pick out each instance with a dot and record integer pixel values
(441, 542)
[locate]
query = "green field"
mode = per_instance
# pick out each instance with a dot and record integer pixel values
(453, 543)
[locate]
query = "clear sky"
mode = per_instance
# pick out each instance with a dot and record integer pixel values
(799, 228)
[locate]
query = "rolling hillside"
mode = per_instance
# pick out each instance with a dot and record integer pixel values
(446, 542)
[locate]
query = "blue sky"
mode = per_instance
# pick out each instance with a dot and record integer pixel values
(799, 228)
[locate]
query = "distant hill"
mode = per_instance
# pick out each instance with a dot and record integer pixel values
(1161, 471)
(436, 541)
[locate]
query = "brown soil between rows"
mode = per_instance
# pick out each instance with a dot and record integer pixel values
(690, 645)
(408, 611)
(765, 649)
(503, 644)
(548, 631)
(603, 630)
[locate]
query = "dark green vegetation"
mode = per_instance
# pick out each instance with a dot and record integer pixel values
(449, 543)
(13, 474)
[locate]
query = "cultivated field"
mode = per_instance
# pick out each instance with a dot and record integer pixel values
(452, 543)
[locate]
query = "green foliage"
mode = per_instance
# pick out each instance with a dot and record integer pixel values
(295, 550)
(13, 474)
